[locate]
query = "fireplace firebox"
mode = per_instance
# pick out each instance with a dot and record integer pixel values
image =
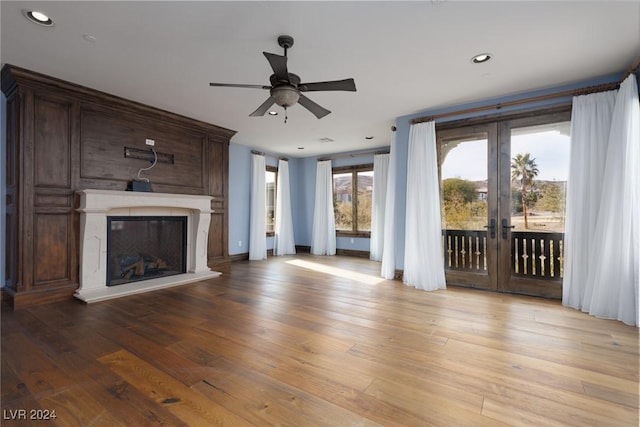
(145, 247)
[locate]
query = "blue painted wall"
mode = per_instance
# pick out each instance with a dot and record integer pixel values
(305, 199)
(302, 176)
(239, 198)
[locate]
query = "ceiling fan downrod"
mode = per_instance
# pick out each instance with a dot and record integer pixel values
(285, 42)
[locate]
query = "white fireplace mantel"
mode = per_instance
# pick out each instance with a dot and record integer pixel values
(96, 205)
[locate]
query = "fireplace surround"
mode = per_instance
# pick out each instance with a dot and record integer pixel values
(95, 208)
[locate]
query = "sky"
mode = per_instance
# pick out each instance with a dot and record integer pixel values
(550, 149)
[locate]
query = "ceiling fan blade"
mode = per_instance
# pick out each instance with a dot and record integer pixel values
(239, 85)
(346, 84)
(263, 108)
(279, 66)
(316, 109)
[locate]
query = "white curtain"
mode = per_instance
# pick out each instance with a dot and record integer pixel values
(323, 239)
(258, 221)
(380, 176)
(388, 268)
(284, 243)
(423, 259)
(612, 260)
(590, 125)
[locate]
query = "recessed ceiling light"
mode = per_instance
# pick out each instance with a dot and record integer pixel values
(326, 140)
(38, 18)
(273, 113)
(89, 38)
(300, 148)
(368, 137)
(480, 58)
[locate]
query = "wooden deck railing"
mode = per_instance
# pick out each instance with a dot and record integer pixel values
(537, 254)
(465, 250)
(533, 254)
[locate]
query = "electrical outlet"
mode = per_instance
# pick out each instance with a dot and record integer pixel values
(150, 142)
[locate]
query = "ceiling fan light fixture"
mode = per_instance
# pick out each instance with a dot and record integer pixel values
(286, 90)
(38, 18)
(285, 96)
(480, 58)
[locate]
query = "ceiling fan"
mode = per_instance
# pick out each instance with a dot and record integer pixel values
(286, 90)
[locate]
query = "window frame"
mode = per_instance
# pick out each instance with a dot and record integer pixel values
(354, 169)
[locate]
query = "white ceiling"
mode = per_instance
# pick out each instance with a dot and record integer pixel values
(405, 57)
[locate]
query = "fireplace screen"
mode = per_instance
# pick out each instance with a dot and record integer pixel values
(145, 247)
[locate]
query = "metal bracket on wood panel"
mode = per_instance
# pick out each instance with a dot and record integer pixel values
(147, 154)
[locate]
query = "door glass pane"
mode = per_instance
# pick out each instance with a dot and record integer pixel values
(539, 172)
(463, 189)
(464, 184)
(342, 200)
(365, 195)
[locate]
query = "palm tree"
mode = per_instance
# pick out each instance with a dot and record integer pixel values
(524, 169)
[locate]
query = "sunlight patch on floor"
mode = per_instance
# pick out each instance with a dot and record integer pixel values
(338, 272)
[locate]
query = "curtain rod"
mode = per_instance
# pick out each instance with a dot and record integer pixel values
(633, 69)
(273, 156)
(351, 155)
(572, 92)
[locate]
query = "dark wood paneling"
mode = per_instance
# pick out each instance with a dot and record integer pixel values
(12, 134)
(105, 134)
(217, 161)
(11, 193)
(51, 143)
(53, 198)
(62, 138)
(217, 165)
(216, 248)
(39, 295)
(51, 248)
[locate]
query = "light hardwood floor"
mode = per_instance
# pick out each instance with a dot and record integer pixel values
(305, 341)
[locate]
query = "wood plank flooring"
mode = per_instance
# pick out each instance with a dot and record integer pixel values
(306, 341)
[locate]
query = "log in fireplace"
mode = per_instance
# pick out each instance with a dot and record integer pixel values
(145, 247)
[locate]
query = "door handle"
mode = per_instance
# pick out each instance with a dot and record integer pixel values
(492, 228)
(506, 227)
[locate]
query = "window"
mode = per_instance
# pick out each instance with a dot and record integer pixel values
(352, 196)
(270, 184)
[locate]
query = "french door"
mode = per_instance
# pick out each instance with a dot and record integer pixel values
(502, 189)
